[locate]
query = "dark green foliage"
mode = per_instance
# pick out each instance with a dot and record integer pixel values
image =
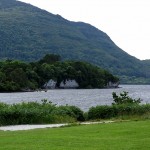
(116, 111)
(87, 75)
(123, 106)
(21, 76)
(101, 112)
(17, 76)
(72, 111)
(50, 58)
(33, 113)
(28, 33)
(123, 98)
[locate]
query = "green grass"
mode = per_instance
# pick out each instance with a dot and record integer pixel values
(134, 135)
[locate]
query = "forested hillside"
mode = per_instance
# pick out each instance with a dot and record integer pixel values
(28, 33)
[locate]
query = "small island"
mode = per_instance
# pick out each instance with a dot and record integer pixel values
(52, 73)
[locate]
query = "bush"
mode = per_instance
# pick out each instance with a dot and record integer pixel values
(124, 99)
(115, 111)
(33, 113)
(101, 112)
(71, 111)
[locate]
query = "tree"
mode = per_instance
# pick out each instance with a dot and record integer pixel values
(50, 58)
(123, 98)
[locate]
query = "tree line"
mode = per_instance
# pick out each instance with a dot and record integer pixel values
(19, 76)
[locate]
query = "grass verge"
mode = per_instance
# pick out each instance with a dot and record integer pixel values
(132, 135)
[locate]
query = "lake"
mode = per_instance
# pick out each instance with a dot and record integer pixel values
(83, 98)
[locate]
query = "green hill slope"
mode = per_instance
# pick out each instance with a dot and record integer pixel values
(28, 33)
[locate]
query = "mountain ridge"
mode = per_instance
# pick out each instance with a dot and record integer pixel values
(28, 33)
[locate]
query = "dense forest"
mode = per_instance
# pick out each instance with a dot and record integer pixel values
(21, 76)
(28, 33)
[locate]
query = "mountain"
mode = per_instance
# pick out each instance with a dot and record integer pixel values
(28, 33)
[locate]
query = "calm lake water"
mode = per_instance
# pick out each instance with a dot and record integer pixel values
(83, 98)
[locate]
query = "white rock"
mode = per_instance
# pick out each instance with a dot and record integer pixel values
(69, 84)
(51, 84)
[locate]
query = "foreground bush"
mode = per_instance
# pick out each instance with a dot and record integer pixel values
(101, 112)
(46, 112)
(115, 111)
(122, 105)
(33, 113)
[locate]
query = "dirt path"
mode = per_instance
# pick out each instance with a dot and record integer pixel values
(30, 127)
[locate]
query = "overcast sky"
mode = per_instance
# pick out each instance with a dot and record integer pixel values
(127, 22)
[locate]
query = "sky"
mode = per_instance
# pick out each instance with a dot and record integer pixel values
(127, 22)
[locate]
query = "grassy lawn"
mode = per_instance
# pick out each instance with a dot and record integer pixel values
(133, 135)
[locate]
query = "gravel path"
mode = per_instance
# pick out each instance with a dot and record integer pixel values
(29, 127)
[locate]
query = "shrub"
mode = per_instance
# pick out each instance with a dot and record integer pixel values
(101, 112)
(79, 114)
(115, 111)
(33, 113)
(71, 111)
(124, 99)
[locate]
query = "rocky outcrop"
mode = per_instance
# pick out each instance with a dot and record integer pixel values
(51, 84)
(112, 85)
(72, 84)
(67, 84)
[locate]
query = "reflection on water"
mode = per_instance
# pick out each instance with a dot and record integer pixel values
(83, 98)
